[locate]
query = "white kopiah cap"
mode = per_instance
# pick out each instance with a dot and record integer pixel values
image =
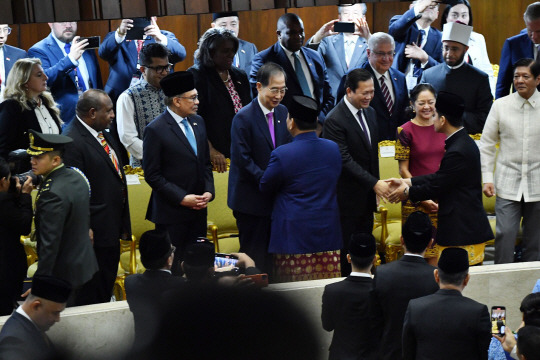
(453, 31)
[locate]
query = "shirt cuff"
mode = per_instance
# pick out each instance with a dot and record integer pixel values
(164, 42)
(487, 177)
(73, 61)
(118, 37)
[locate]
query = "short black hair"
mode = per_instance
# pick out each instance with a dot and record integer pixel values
(532, 64)
(355, 76)
(268, 70)
(153, 50)
(447, 11)
(530, 307)
(88, 100)
(4, 168)
(286, 18)
(210, 42)
(455, 121)
(196, 273)
(528, 342)
(413, 96)
(455, 279)
(361, 262)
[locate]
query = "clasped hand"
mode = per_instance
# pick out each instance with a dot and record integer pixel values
(391, 189)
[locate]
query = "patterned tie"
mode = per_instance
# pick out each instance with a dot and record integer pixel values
(190, 136)
(140, 44)
(417, 72)
(79, 80)
(270, 117)
(363, 126)
(110, 153)
(301, 76)
(386, 94)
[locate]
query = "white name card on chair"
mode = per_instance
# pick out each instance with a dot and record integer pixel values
(388, 151)
(132, 180)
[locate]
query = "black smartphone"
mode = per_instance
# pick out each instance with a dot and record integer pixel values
(93, 41)
(498, 320)
(137, 31)
(344, 27)
(222, 260)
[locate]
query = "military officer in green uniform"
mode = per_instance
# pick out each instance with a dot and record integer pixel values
(62, 216)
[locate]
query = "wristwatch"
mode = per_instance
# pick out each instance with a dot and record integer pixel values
(406, 192)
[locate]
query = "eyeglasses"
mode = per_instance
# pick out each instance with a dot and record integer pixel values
(192, 98)
(6, 30)
(160, 69)
(275, 91)
(383, 54)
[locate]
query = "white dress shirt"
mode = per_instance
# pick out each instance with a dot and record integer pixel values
(513, 122)
(95, 135)
(363, 119)
(81, 64)
(178, 120)
(387, 81)
(305, 67)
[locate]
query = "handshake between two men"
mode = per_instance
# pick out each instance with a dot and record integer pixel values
(395, 190)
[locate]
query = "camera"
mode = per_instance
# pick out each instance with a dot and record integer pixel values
(18, 164)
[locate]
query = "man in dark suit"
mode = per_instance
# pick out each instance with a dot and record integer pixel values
(71, 70)
(418, 44)
(302, 177)
(520, 46)
(457, 184)
(456, 76)
(466, 323)
(157, 255)
(23, 336)
(94, 152)
(62, 218)
(398, 282)
(352, 124)
(304, 68)
(177, 165)
(123, 55)
(391, 94)
(246, 50)
(342, 51)
(257, 129)
(345, 304)
(8, 56)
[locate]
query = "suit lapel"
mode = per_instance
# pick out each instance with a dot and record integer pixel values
(8, 64)
(353, 123)
(286, 64)
(262, 123)
(175, 128)
(359, 49)
(98, 148)
(58, 54)
(378, 92)
(372, 124)
(337, 42)
(89, 61)
(217, 83)
(314, 76)
(430, 43)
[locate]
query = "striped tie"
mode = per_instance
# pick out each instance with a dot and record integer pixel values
(110, 153)
(386, 94)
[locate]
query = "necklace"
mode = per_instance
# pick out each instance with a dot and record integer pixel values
(222, 73)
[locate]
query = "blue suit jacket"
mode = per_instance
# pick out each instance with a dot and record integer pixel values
(517, 47)
(332, 50)
(122, 59)
(173, 170)
(11, 55)
(246, 52)
(61, 74)
(303, 176)
(251, 146)
(317, 70)
(405, 31)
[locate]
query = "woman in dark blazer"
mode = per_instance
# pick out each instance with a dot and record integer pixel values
(27, 105)
(223, 90)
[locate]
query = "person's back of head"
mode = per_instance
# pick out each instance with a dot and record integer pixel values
(362, 250)
(417, 232)
(528, 343)
(198, 263)
(450, 106)
(530, 308)
(156, 250)
(453, 271)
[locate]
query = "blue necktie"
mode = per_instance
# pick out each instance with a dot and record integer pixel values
(190, 136)
(417, 72)
(78, 76)
(301, 76)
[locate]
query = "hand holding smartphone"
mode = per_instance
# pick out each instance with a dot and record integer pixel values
(498, 320)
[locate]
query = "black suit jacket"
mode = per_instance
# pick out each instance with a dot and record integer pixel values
(215, 104)
(394, 285)
(446, 326)
(109, 209)
(457, 184)
(469, 83)
(317, 71)
(14, 125)
(143, 293)
(173, 170)
(20, 339)
(360, 170)
(345, 309)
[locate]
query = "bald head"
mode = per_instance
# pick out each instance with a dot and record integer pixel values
(290, 31)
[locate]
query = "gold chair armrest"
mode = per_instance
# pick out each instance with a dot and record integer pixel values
(213, 229)
(384, 228)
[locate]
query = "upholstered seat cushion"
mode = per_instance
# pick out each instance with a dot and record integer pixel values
(394, 234)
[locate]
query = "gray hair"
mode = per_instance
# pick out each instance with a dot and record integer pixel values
(380, 38)
(533, 12)
(362, 5)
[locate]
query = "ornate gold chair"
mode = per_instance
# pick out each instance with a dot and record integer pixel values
(130, 263)
(387, 229)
